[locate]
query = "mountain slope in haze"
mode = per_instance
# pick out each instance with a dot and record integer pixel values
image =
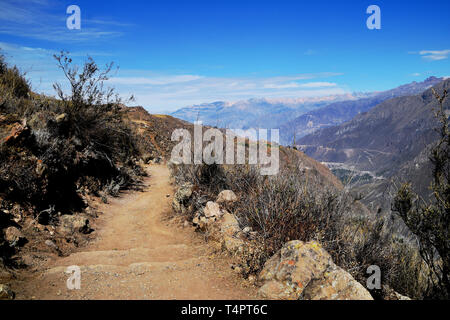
(254, 113)
(391, 140)
(342, 111)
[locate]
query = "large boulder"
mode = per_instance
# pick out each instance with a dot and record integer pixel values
(182, 197)
(226, 196)
(335, 284)
(302, 270)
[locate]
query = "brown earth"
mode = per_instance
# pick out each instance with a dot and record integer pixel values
(139, 253)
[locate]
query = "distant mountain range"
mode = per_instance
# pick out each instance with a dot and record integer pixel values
(339, 112)
(255, 113)
(391, 142)
(300, 116)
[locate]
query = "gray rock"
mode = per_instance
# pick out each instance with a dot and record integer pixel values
(182, 197)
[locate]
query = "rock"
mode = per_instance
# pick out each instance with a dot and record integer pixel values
(196, 219)
(300, 265)
(398, 296)
(232, 244)
(275, 290)
(228, 225)
(182, 197)
(336, 284)
(17, 213)
(6, 293)
(50, 244)
(14, 236)
(246, 230)
(226, 196)
(17, 132)
(186, 224)
(61, 118)
(212, 209)
(387, 293)
(69, 224)
(40, 168)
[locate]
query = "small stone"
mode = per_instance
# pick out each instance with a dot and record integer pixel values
(212, 209)
(251, 278)
(6, 293)
(14, 236)
(50, 243)
(61, 118)
(226, 196)
(247, 230)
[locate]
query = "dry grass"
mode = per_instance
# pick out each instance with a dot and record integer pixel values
(295, 205)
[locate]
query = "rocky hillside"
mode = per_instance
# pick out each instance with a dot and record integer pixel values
(339, 112)
(154, 133)
(390, 141)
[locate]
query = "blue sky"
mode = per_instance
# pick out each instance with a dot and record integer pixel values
(176, 53)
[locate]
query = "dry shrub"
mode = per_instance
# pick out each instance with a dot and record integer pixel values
(293, 205)
(79, 143)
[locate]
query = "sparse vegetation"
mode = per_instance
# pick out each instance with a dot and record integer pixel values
(430, 220)
(55, 151)
(293, 205)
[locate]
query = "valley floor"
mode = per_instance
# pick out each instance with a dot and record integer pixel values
(139, 253)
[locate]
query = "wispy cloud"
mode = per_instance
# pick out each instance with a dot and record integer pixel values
(164, 92)
(34, 19)
(435, 55)
(169, 92)
(310, 52)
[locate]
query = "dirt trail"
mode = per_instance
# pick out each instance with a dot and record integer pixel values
(139, 254)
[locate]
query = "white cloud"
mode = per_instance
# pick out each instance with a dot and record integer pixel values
(318, 85)
(174, 94)
(31, 19)
(168, 92)
(156, 80)
(435, 55)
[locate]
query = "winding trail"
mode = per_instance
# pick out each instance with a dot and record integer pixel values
(139, 253)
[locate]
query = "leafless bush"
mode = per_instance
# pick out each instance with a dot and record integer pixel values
(294, 206)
